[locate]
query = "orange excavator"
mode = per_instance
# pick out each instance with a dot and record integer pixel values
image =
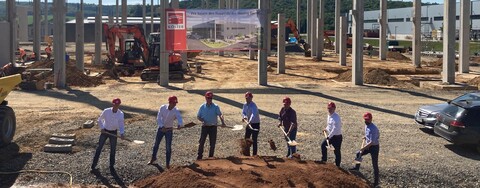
(290, 27)
(136, 54)
(132, 53)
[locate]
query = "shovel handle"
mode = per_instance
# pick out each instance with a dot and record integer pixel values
(285, 134)
(117, 136)
(250, 127)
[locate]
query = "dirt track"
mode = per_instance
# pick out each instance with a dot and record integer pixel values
(409, 156)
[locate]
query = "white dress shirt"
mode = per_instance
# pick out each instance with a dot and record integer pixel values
(334, 125)
(165, 117)
(112, 121)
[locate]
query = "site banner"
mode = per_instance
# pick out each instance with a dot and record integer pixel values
(176, 31)
(222, 29)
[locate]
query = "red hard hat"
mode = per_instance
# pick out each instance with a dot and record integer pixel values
(116, 101)
(248, 94)
(173, 98)
(331, 105)
(287, 100)
(209, 94)
(367, 116)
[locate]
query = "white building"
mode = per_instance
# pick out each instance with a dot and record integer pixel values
(400, 26)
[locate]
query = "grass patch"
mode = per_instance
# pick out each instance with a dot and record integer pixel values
(213, 44)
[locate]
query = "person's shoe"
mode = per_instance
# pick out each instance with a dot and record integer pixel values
(354, 169)
(168, 166)
(323, 162)
(151, 162)
(199, 157)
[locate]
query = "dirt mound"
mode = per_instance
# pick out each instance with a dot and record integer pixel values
(396, 56)
(380, 77)
(254, 172)
(74, 77)
(374, 76)
(474, 81)
(476, 59)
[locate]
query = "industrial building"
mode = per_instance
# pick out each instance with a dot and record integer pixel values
(400, 26)
(223, 30)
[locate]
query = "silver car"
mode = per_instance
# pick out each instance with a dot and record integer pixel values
(426, 115)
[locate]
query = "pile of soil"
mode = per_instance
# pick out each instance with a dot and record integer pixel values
(373, 76)
(74, 77)
(264, 171)
(396, 56)
(474, 81)
(380, 77)
(476, 59)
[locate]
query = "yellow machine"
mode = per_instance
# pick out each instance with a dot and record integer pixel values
(7, 115)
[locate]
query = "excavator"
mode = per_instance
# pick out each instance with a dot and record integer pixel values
(136, 54)
(291, 27)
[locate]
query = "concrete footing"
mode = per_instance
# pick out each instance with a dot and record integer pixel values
(435, 85)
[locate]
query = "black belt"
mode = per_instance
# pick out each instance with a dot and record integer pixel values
(110, 130)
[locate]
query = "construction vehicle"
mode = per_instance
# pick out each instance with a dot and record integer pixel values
(136, 54)
(131, 53)
(8, 122)
(290, 27)
(176, 67)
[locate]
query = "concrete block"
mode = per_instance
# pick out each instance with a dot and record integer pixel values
(55, 148)
(439, 86)
(61, 141)
(88, 124)
(62, 135)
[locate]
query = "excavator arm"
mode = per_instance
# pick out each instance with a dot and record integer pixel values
(111, 33)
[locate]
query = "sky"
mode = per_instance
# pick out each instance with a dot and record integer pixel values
(134, 2)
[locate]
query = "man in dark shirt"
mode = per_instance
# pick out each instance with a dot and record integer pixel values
(288, 118)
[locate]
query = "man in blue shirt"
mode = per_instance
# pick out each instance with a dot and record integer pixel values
(251, 116)
(371, 147)
(207, 114)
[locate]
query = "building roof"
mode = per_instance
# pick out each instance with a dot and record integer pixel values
(130, 20)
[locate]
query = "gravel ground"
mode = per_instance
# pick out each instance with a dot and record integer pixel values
(409, 155)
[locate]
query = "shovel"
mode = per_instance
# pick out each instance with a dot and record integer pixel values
(328, 142)
(290, 142)
(234, 128)
(133, 141)
(358, 158)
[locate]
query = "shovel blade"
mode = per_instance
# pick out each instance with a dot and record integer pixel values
(292, 143)
(237, 127)
(138, 141)
(330, 148)
(357, 160)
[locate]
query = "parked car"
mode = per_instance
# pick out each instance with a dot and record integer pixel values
(425, 115)
(459, 123)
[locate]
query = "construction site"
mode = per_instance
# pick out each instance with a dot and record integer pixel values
(58, 88)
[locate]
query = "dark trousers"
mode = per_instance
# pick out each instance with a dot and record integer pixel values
(168, 144)
(211, 131)
(101, 142)
(291, 149)
(336, 142)
(373, 151)
(254, 134)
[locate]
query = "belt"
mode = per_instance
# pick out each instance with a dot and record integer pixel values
(110, 130)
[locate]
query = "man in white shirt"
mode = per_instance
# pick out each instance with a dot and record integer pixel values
(334, 134)
(165, 117)
(250, 115)
(110, 121)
